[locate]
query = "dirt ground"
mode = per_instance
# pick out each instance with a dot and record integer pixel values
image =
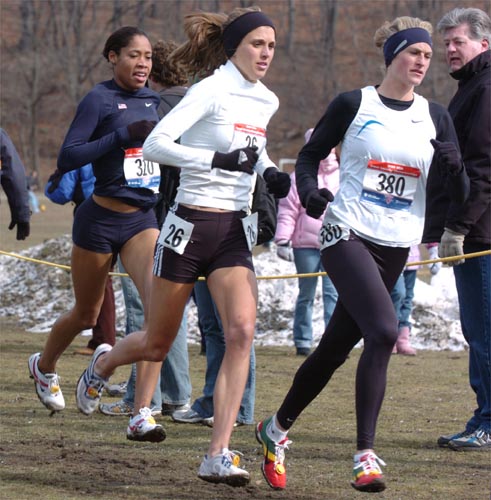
(71, 456)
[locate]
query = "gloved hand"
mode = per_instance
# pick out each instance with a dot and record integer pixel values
(278, 182)
(447, 157)
(316, 202)
(451, 244)
(54, 180)
(284, 250)
(239, 160)
(140, 130)
(435, 266)
(23, 229)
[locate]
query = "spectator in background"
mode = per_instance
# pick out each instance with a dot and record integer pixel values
(202, 409)
(211, 328)
(14, 183)
(466, 228)
(403, 294)
(297, 239)
(33, 186)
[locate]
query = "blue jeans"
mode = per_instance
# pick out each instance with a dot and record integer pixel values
(33, 201)
(174, 386)
(215, 349)
(308, 260)
(473, 281)
(402, 296)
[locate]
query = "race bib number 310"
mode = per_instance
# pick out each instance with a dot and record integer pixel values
(140, 173)
(390, 185)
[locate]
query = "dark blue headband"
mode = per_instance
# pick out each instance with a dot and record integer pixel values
(403, 39)
(240, 27)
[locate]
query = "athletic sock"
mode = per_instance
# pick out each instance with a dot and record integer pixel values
(274, 432)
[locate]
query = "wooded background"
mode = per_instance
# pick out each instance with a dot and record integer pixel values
(51, 56)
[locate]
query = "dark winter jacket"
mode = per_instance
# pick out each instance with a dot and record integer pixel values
(13, 179)
(169, 176)
(470, 109)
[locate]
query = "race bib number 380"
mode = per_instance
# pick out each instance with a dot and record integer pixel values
(390, 185)
(140, 173)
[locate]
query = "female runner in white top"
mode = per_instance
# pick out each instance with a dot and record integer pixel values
(221, 123)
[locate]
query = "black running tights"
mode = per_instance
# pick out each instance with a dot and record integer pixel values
(363, 274)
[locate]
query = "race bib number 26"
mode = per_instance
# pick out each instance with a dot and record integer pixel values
(175, 233)
(248, 136)
(249, 224)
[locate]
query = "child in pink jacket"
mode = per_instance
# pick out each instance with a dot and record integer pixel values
(297, 239)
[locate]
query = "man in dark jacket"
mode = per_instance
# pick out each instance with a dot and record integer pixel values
(14, 182)
(467, 228)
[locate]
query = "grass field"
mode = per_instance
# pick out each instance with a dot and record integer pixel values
(69, 456)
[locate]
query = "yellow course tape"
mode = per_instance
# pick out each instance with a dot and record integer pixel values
(283, 276)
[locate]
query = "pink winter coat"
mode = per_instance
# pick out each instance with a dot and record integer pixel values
(293, 223)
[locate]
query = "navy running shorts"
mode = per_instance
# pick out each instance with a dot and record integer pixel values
(101, 230)
(217, 241)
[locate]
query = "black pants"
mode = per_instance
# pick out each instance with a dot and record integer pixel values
(363, 274)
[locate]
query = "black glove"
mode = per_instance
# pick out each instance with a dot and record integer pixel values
(316, 202)
(139, 131)
(447, 157)
(54, 180)
(23, 229)
(239, 160)
(278, 182)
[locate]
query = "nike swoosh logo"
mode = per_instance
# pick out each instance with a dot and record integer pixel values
(148, 104)
(416, 121)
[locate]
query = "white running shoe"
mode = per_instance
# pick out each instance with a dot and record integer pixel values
(47, 385)
(223, 468)
(142, 427)
(90, 385)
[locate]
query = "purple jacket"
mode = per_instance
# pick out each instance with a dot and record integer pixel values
(293, 223)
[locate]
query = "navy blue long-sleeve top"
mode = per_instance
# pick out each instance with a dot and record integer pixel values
(98, 134)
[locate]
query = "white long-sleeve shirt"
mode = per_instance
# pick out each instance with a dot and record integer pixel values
(222, 113)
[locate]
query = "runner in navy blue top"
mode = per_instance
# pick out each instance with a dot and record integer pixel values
(108, 130)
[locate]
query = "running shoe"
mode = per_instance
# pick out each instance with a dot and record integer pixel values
(170, 409)
(274, 455)
(47, 385)
(210, 421)
(142, 427)
(122, 408)
(367, 474)
(117, 390)
(223, 468)
(443, 441)
(90, 385)
(188, 417)
(479, 440)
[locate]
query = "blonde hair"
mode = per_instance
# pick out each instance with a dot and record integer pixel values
(398, 24)
(204, 52)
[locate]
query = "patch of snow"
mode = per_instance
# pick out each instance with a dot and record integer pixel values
(36, 294)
